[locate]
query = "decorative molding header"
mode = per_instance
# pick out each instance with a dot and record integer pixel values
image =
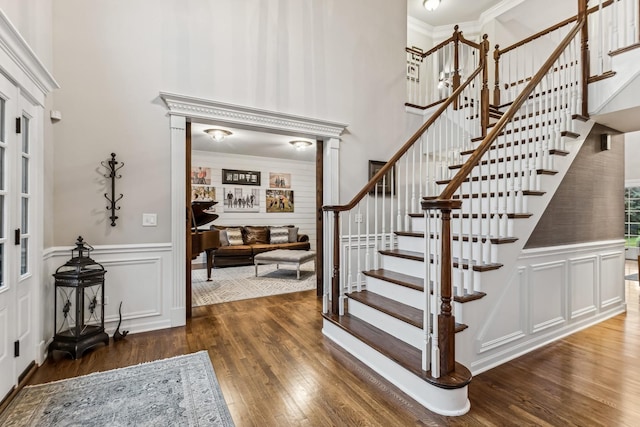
(24, 60)
(187, 106)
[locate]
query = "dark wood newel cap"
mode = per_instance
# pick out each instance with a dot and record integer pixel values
(442, 204)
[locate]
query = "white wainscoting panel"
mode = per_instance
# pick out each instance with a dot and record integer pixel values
(583, 283)
(138, 275)
(506, 322)
(612, 272)
(553, 292)
(547, 293)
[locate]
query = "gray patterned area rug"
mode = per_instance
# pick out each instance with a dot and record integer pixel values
(236, 283)
(180, 391)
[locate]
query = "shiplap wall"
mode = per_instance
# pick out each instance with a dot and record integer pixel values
(303, 184)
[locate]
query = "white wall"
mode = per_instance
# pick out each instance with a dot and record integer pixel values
(303, 185)
(335, 60)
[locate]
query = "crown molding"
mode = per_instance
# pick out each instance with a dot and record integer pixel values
(472, 28)
(19, 59)
(419, 27)
(497, 10)
(205, 109)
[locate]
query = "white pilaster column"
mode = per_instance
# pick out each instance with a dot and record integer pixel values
(178, 214)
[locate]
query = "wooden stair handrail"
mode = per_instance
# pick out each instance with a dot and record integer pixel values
(387, 167)
(550, 29)
(468, 166)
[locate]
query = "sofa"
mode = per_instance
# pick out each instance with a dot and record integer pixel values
(238, 244)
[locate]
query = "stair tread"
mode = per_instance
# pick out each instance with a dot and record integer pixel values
(401, 279)
(465, 237)
(523, 215)
(498, 194)
(417, 256)
(400, 311)
(399, 351)
(410, 315)
(507, 159)
(493, 177)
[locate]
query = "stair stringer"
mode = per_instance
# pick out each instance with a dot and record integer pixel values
(496, 283)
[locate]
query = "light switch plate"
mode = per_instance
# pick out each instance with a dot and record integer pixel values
(149, 219)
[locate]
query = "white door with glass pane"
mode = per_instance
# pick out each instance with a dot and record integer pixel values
(17, 288)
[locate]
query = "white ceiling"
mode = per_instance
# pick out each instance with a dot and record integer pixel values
(250, 143)
(450, 12)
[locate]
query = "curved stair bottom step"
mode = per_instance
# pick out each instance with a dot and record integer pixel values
(448, 402)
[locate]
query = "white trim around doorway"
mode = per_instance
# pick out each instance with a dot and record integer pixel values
(182, 108)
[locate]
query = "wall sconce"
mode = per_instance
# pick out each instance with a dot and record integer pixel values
(300, 144)
(218, 134)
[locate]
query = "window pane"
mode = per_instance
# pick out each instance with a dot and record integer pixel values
(2, 168)
(1, 216)
(634, 192)
(2, 107)
(24, 250)
(25, 134)
(25, 175)
(25, 216)
(633, 229)
(1, 265)
(633, 216)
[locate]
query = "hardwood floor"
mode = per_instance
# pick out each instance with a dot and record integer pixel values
(276, 369)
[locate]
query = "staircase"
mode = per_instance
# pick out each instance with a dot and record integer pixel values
(417, 270)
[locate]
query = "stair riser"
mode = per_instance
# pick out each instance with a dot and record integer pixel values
(399, 329)
(416, 244)
(408, 296)
(402, 265)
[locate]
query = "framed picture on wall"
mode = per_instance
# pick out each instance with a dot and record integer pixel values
(413, 71)
(238, 177)
(279, 180)
(203, 193)
(279, 201)
(239, 199)
(200, 175)
(386, 183)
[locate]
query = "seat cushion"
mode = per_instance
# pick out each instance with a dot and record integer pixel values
(237, 250)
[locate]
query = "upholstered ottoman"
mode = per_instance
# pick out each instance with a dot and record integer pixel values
(285, 256)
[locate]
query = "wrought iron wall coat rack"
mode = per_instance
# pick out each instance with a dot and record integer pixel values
(113, 166)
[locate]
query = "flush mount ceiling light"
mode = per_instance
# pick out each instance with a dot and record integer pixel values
(218, 134)
(300, 144)
(431, 4)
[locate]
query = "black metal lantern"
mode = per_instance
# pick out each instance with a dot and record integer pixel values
(79, 303)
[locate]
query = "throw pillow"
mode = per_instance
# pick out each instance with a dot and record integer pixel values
(293, 234)
(253, 235)
(279, 235)
(234, 235)
(224, 239)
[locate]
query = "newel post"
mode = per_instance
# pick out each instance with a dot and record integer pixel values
(496, 87)
(446, 320)
(456, 63)
(484, 94)
(584, 58)
(335, 278)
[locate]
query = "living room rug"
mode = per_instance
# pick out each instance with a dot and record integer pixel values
(236, 283)
(180, 391)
